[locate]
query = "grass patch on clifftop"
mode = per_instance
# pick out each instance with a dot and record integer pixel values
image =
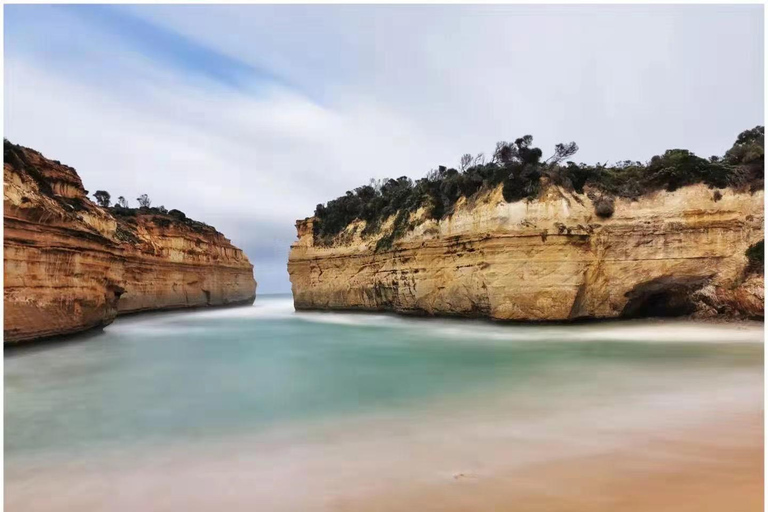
(160, 216)
(519, 168)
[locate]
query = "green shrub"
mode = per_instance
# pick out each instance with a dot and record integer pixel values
(121, 211)
(518, 168)
(756, 256)
(126, 235)
(163, 222)
(177, 214)
(604, 207)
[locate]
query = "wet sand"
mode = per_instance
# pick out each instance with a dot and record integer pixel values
(713, 465)
(715, 468)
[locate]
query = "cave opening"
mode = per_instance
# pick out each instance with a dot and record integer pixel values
(663, 297)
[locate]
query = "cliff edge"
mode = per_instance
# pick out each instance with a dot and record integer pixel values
(558, 250)
(71, 265)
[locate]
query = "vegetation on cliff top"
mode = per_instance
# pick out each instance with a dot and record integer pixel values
(160, 216)
(13, 154)
(518, 167)
(16, 156)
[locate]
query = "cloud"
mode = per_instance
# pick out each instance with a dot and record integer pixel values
(246, 117)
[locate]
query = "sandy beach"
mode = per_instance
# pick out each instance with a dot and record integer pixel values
(705, 461)
(709, 469)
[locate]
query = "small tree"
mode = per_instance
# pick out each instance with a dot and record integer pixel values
(123, 202)
(503, 153)
(103, 198)
(562, 151)
(144, 201)
(465, 162)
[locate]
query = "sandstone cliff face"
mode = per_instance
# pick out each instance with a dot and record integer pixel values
(668, 253)
(71, 265)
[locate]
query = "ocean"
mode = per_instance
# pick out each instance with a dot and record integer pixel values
(264, 408)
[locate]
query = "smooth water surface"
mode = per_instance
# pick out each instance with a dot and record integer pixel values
(191, 380)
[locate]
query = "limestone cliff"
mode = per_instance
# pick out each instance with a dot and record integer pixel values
(71, 265)
(552, 258)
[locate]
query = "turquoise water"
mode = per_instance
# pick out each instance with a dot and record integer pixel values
(194, 379)
(145, 379)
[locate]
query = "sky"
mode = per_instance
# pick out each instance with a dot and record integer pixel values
(246, 117)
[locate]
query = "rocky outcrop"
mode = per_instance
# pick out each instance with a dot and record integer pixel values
(71, 265)
(550, 259)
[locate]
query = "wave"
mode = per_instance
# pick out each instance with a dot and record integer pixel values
(654, 330)
(281, 308)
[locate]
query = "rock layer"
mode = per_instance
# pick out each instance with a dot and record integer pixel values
(552, 259)
(71, 265)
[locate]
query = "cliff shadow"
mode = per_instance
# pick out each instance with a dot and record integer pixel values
(51, 342)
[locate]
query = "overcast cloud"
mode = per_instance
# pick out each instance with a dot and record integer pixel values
(246, 117)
